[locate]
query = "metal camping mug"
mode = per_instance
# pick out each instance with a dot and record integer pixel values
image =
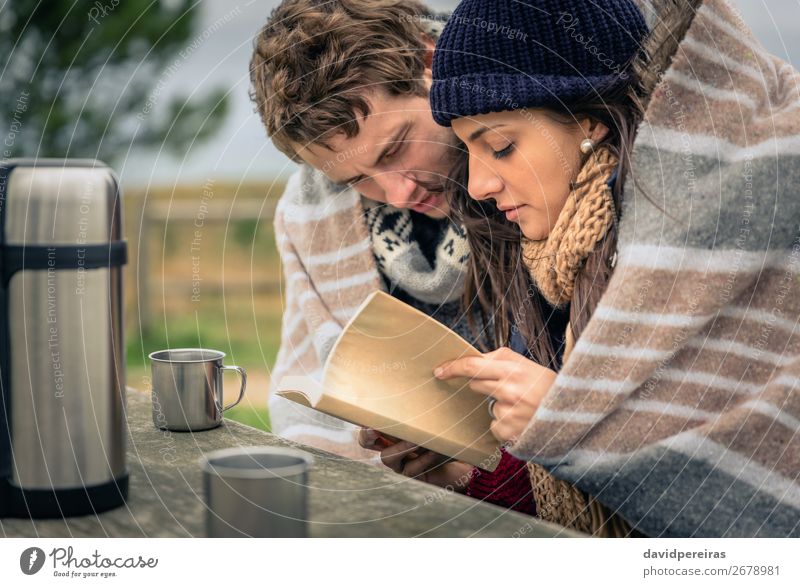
(259, 492)
(187, 389)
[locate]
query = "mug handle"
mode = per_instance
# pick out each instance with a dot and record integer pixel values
(243, 375)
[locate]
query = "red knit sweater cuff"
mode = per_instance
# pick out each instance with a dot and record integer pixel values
(509, 485)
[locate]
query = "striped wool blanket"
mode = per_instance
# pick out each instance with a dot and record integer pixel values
(329, 269)
(679, 406)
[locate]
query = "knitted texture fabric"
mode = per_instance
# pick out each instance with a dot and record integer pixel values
(564, 504)
(504, 55)
(400, 258)
(554, 264)
(584, 220)
(508, 485)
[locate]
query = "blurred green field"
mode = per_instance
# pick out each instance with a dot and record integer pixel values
(197, 282)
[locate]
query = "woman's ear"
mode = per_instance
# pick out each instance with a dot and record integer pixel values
(595, 130)
(592, 129)
(599, 132)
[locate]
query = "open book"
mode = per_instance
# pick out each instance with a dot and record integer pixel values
(379, 375)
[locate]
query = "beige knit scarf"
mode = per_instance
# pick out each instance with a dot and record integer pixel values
(583, 222)
(554, 264)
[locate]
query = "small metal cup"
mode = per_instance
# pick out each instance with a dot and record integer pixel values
(259, 492)
(187, 389)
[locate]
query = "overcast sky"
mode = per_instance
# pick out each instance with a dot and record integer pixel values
(241, 150)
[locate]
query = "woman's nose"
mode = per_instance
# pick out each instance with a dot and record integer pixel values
(483, 181)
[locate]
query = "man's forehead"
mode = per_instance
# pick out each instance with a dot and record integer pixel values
(373, 130)
(337, 160)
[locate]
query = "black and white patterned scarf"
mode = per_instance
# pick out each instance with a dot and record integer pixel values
(401, 260)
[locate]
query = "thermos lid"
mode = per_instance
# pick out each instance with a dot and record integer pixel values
(59, 202)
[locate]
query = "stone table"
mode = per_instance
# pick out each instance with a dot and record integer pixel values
(347, 498)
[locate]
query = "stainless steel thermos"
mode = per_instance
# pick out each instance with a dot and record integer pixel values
(62, 369)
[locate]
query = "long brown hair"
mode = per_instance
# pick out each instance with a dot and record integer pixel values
(498, 279)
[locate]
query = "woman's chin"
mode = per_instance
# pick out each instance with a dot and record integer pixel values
(533, 233)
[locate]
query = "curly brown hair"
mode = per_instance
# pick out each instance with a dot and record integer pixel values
(315, 62)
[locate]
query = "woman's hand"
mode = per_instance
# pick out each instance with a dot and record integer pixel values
(413, 461)
(517, 383)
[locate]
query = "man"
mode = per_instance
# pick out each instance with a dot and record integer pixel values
(342, 88)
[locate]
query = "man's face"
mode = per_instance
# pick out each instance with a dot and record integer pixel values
(400, 155)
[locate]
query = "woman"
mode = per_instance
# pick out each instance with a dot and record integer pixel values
(641, 414)
(523, 166)
(547, 158)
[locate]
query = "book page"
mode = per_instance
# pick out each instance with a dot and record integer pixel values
(301, 389)
(382, 366)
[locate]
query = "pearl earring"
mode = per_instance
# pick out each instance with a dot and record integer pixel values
(587, 146)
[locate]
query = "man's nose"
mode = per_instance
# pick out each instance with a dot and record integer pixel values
(398, 188)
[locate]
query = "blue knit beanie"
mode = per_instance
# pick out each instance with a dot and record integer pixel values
(498, 55)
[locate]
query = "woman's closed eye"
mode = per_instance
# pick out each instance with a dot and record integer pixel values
(499, 154)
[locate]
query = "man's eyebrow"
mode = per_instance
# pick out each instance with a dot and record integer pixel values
(478, 133)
